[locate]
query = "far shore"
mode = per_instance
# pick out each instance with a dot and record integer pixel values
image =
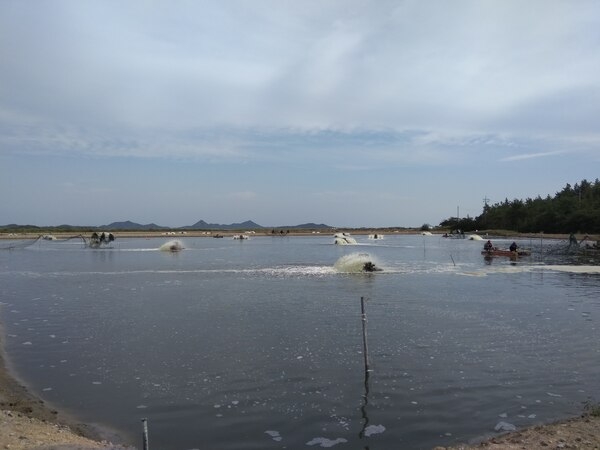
(498, 234)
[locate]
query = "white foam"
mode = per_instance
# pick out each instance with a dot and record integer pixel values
(274, 435)
(374, 429)
(571, 269)
(504, 426)
(324, 442)
(522, 268)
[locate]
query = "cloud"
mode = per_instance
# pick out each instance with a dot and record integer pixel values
(324, 92)
(389, 65)
(531, 156)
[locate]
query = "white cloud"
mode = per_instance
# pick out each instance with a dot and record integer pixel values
(399, 65)
(531, 156)
(345, 86)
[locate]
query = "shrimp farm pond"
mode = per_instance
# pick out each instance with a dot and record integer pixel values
(258, 343)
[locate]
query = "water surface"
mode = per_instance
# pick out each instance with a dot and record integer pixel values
(258, 344)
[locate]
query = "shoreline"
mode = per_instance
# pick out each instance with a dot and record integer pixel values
(141, 234)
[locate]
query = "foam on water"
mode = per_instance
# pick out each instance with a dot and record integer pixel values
(298, 271)
(570, 269)
(272, 271)
(326, 442)
(508, 269)
(374, 429)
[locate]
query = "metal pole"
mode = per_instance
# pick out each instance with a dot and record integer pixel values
(367, 369)
(145, 433)
(364, 332)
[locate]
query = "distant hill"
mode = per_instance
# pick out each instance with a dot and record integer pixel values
(202, 225)
(129, 225)
(15, 228)
(306, 226)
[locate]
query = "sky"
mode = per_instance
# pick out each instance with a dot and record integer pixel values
(349, 113)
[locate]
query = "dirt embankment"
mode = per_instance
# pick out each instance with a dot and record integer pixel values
(578, 433)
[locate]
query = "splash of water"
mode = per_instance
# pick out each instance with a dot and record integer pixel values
(171, 246)
(354, 263)
(344, 239)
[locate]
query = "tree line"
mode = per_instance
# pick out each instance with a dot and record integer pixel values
(574, 209)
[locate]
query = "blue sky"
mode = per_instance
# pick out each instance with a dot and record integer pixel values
(350, 113)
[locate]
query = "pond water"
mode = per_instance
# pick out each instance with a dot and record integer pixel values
(258, 343)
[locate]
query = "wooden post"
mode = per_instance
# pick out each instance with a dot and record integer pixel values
(145, 433)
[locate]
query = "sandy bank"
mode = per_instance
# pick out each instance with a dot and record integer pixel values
(577, 433)
(18, 431)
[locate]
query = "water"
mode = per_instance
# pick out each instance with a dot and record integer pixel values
(258, 343)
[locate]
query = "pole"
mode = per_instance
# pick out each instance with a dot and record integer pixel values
(364, 332)
(145, 433)
(363, 408)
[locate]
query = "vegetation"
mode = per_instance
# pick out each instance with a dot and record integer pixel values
(591, 409)
(33, 229)
(575, 209)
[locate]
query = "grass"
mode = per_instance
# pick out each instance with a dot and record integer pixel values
(591, 408)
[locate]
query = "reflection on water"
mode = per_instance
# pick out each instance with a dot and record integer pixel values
(258, 344)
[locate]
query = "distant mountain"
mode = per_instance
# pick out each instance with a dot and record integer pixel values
(16, 228)
(307, 226)
(202, 225)
(128, 225)
(132, 226)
